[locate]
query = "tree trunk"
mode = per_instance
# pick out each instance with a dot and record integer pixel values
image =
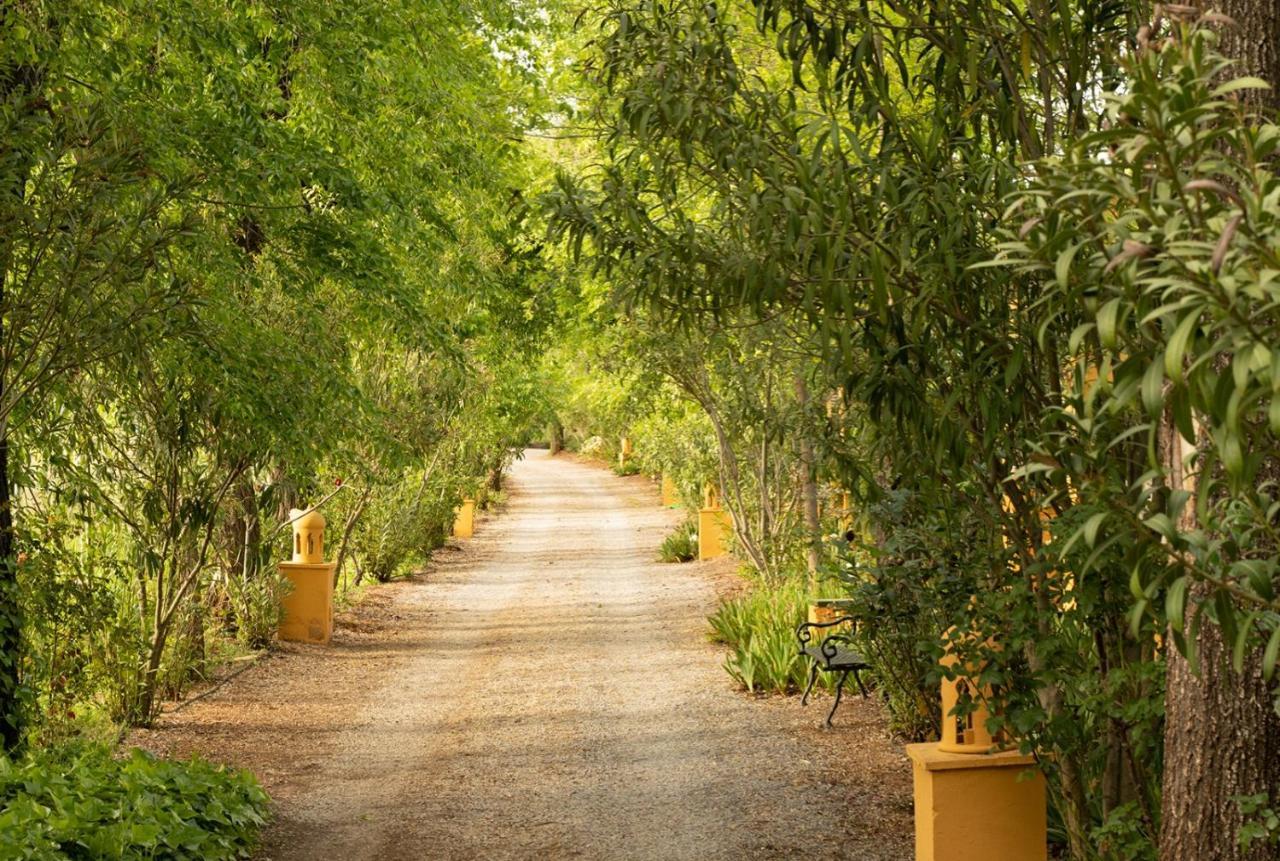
(344, 545)
(1221, 734)
(1255, 43)
(1222, 739)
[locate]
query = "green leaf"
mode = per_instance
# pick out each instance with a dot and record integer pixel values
(1258, 573)
(1135, 584)
(1077, 335)
(1180, 406)
(1269, 655)
(1241, 640)
(1136, 617)
(1091, 528)
(1190, 645)
(1176, 350)
(1108, 317)
(1175, 603)
(1062, 268)
(1237, 84)
(1153, 390)
(1232, 453)
(1161, 523)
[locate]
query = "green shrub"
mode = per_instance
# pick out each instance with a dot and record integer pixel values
(681, 545)
(84, 804)
(255, 607)
(910, 580)
(760, 630)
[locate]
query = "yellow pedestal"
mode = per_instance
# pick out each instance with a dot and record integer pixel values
(668, 491)
(308, 608)
(977, 807)
(713, 532)
(464, 523)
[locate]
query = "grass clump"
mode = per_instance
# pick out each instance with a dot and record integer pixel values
(759, 628)
(681, 545)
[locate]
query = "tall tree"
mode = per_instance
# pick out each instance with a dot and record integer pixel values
(1222, 731)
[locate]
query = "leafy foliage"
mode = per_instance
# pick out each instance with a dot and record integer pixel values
(1178, 274)
(84, 803)
(251, 253)
(1030, 245)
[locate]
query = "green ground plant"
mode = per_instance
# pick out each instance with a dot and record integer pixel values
(759, 627)
(682, 544)
(82, 802)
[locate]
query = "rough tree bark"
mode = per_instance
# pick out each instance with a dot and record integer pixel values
(1254, 42)
(1222, 734)
(1222, 739)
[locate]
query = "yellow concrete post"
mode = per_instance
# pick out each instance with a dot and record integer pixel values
(624, 452)
(308, 608)
(972, 801)
(713, 525)
(669, 496)
(977, 807)
(464, 521)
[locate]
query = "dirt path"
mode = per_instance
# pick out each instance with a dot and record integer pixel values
(547, 691)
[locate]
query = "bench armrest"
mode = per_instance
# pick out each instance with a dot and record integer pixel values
(804, 633)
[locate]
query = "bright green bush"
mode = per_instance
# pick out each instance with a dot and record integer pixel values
(681, 545)
(85, 804)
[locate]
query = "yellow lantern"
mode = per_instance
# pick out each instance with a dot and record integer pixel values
(308, 608)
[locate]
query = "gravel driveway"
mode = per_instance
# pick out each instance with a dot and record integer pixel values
(547, 690)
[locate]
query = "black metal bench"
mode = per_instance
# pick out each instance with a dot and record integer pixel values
(835, 654)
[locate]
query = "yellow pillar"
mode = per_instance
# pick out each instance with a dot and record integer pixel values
(713, 525)
(972, 801)
(308, 608)
(668, 491)
(464, 522)
(624, 452)
(977, 807)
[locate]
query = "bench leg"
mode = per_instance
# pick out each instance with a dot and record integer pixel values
(857, 677)
(813, 677)
(839, 691)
